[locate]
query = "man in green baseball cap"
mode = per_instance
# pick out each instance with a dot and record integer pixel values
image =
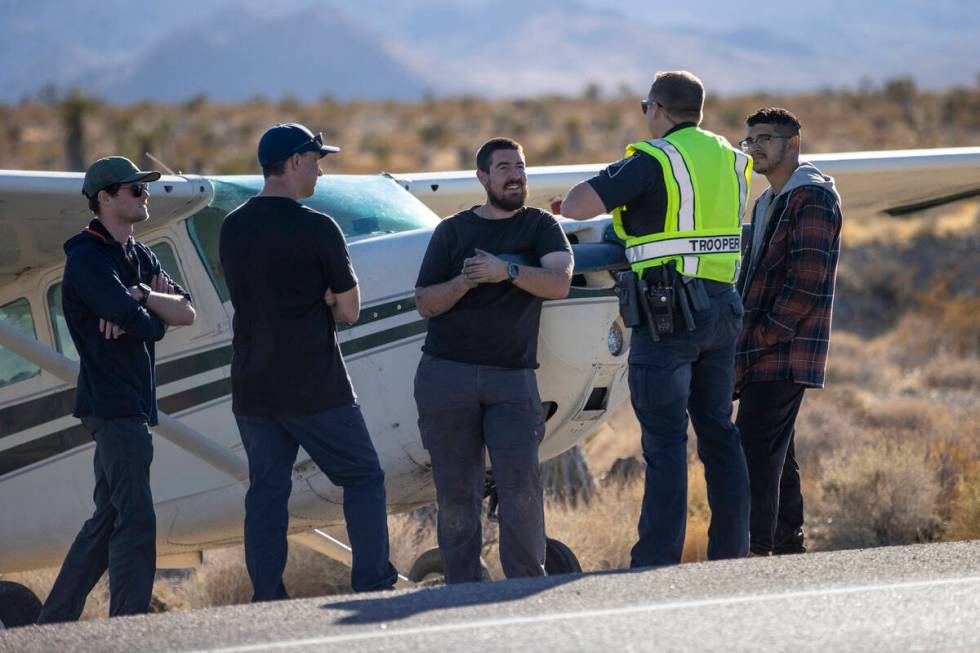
(113, 171)
(118, 302)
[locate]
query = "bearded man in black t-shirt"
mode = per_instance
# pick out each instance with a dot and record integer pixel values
(290, 279)
(482, 282)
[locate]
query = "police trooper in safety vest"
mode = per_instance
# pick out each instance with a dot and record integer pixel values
(677, 201)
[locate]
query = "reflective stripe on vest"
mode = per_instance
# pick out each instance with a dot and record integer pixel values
(689, 246)
(704, 240)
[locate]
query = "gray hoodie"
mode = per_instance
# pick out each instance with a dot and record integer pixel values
(805, 175)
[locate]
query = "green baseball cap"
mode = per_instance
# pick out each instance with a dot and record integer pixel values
(113, 170)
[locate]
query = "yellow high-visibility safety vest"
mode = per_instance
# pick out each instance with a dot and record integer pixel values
(707, 183)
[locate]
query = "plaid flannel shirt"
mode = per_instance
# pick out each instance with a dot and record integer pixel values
(788, 293)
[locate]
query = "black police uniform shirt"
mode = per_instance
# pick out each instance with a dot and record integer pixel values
(116, 377)
(494, 323)
(638, 183)
(279, 259)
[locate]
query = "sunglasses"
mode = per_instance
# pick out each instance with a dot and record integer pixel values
(316, 140)
(646, 104)
(138, 189)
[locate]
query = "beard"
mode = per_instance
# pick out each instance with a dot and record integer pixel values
(769, 163)
(505, 202)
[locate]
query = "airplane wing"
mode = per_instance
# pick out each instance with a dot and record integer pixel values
(893, 181)
(39, 211)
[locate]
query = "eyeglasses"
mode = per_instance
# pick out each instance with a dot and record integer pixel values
(646, 104)
(761, 140)
(138, 189)
(316, 140)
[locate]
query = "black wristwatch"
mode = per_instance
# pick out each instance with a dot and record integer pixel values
(146, 290)
(512, 271)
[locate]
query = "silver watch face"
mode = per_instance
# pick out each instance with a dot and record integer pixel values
(512, 270)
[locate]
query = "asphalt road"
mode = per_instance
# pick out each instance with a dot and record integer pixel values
(924, 597)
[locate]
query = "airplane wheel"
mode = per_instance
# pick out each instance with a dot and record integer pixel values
(428, 569)
(19, 606)
(559, 559)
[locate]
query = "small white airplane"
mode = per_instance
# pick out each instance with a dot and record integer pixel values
(199, 467)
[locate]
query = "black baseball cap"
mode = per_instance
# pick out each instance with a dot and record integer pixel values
(113, 170)
(282, 141)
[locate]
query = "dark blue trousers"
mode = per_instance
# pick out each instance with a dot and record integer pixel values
(690, 373)
(465, 411)
(338, 442)
(121, 534)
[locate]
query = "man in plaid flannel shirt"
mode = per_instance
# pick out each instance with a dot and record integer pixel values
(787, 285)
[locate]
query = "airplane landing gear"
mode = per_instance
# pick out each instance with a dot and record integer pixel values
(559, 559)
(428, 569)
(19, 606)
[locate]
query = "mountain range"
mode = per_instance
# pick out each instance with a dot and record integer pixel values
(235, 50)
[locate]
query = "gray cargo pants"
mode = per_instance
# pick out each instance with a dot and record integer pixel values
(462, 409)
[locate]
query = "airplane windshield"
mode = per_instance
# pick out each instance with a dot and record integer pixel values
(363, 206)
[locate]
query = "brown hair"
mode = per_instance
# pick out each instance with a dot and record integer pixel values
(93, 201)
(680, 93)
(486, 151)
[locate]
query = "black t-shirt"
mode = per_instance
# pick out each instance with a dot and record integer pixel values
(494, 323)
(279, 258)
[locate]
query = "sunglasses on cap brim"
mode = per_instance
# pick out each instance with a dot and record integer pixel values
(316, 140)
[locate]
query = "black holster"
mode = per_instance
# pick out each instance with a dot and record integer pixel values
(628, 291)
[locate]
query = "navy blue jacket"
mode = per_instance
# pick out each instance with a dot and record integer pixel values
(117, 377)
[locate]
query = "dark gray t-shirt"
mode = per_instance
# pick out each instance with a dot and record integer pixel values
(279, 258)
(494, 323)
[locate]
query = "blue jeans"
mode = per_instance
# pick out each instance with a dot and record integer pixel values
(690, 373)
(337, 440)
(121, 534)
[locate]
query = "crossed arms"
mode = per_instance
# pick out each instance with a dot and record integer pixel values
(550, 281)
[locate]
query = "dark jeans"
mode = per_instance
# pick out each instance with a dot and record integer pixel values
(338, 442)
(767, 417)
(464, 409)
(121, 534)
(690, 373)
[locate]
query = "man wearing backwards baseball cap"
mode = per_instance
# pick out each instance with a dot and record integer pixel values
(290, 279)
(117, 301)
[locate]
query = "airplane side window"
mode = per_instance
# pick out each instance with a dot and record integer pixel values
(62, 338)
(204, 229)
(168, 260)
(14, 368)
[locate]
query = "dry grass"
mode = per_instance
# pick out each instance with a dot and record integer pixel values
(877, 496)
(964, 521)
(207, 137)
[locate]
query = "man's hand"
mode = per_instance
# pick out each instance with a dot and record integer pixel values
(465, 282)
(109, 330)
(160, 284)
(330, 298)
(484, 268)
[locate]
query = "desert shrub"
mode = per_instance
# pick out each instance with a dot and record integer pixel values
(878, 495)
(964, 523)
(953, 373)
(827, 424)
(848, 361)
(905, 414)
